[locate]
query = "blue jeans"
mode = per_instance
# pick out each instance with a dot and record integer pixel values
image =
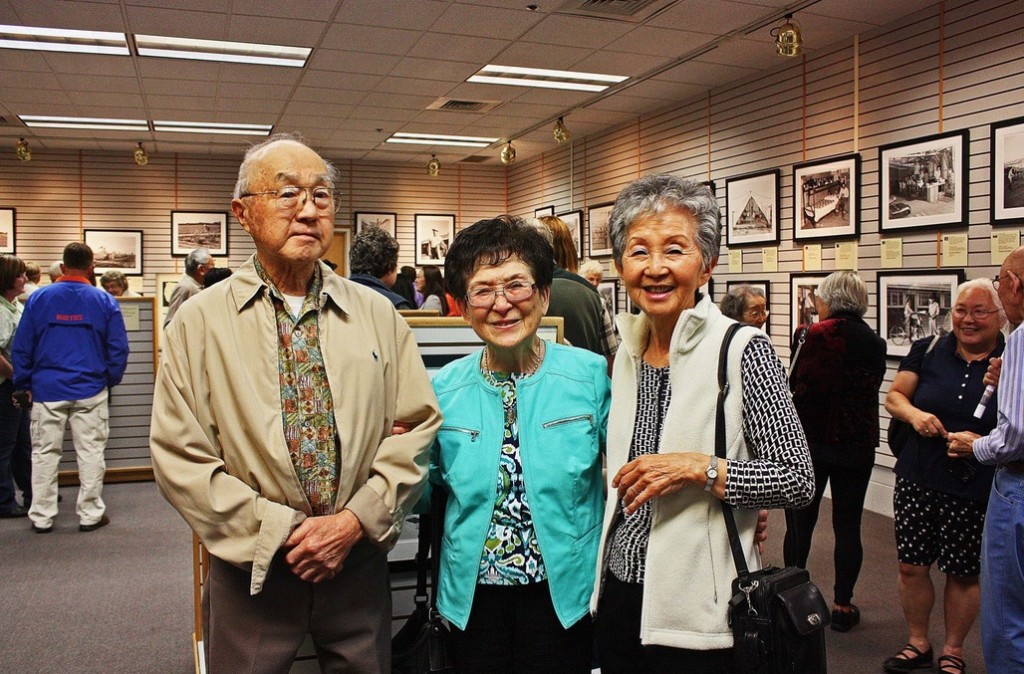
(1002, 582)
(15, 451)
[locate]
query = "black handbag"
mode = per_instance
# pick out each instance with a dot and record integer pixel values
(421, 645)
(899, 431)
(778, 616)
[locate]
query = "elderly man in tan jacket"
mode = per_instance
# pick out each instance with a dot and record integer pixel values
(271, 433)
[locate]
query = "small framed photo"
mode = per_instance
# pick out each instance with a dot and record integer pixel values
(574, 221)
(825, 198)
(609, 292)
(386, 221)
(597, 229)
(923, 183)
(710, 184)
(8, 218)
(434, 233)
(199, 229)
(766, 288)
(913, 305)
(752, 209)
(115, 249)
(708, 289)
(803, 291)
(1008, 171)
(543, 211)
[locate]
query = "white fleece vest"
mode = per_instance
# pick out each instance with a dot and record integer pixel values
(689, 573)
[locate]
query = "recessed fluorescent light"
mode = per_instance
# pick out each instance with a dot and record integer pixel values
(100, 123)
(441, 139)
(60, 39)
(216, 50)
(545, 79)
(213, 127)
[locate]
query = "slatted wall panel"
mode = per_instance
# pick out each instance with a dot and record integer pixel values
(805, 110)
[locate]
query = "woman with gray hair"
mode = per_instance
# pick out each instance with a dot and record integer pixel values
(746, 304)
(838, 364)
(661, 592)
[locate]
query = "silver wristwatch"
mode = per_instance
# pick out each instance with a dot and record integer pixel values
(712, 473)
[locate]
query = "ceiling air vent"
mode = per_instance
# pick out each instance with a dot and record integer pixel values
(453, 105)
(624, 10)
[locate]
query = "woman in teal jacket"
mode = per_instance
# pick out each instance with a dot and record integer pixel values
(519, 454)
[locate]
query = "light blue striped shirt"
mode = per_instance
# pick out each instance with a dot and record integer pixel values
(1006, 442)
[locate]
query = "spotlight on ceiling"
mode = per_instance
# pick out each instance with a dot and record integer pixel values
(21, 150)
(141, 158)
(433, 166)
(561, 131)
(787, 38)
(508, 153)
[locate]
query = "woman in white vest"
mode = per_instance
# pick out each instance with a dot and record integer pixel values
(666, 568)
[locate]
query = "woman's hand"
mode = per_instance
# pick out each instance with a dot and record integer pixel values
(928, 425)
(960, 445)
(653, 475)
(995, 366)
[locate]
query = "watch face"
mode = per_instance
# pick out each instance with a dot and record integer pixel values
(711, 472)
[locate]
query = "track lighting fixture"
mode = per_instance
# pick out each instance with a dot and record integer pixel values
(561, 132)
(787, 38)
(508, 153)
(433, 166)
(21, 150)
(141, 158)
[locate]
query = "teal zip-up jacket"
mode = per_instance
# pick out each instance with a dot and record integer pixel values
(563, 415)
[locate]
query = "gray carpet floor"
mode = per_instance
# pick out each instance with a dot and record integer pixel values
(119, 599)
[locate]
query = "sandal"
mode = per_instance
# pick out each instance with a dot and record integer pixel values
(952, 664)
(899, 664)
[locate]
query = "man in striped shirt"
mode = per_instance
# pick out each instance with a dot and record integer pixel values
(1002, 557)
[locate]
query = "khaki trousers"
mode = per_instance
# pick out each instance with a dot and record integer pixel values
(89, 429)
(348, 617)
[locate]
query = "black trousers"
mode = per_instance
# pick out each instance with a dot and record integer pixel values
(849, 486)
(514, 629)
(617, 629)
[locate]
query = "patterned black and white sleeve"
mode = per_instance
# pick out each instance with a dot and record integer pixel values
(781, 475)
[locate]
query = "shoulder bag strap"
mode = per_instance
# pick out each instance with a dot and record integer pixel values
(723, 391)
(438, 501)
(799, 345)
(423, 558)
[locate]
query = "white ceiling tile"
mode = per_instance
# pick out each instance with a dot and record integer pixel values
(700, 71)
(558, 98)
(19, 98)
(434, 69)
(666, 91)
(370, 40)
(714, 18)
(752, 53)
(535, 55)
(576, 31)
(24, 61)
(176, 69)
(331, 81)
(876, 12)
(463, 19)
(270, 92)
(403, 85)
(399, 101)
(91, 64)
(247, 106)
(100, 83)
(631, 104)
(298, 32)
(75, 15)
(459, 48)
(618, 63)
(11, 80)
(317, 94)
(176, 23)
(411, 14)
(283, 10)
(369, 124)
(305, 122)
(381, 114)
(352, 61)
(658, 42)
(168, 107)
(474, 91)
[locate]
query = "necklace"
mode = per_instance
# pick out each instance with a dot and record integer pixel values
(536, 359)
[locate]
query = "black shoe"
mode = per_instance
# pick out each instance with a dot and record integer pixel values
(842, 621)
(17, 511)
(104, 521)
(42, 530)
(900, 665)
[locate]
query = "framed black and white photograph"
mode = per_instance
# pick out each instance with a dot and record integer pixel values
(913, 305)
(609, 292)
(386, 221)
(597, 229)
(574, 221)
(825, 198)
(1008, 171)
(8, 219)
(434, 233)
(766, 288)
(199, 229)
(115, 250)
(923, 183)
(752, 209)
(543, 211)
(708, 289)
(803, 291)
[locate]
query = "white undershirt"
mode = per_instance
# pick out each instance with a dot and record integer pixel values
(294, 303)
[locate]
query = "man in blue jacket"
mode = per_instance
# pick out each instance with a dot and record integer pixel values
(70, 348)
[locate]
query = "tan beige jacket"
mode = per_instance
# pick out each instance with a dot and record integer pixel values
(217, 440)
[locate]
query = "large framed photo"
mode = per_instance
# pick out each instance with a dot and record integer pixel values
(8, 217)
(1008, 171)
(115, 250)
(803, 291)
(574, 221)
(199, 229)
(609, 292)
(386, 221)
(543, 211)
(923, 183)
(433, 235)
(597, 229)
(825, 198)
(914, 304)
(766, 288)
(752, 209)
